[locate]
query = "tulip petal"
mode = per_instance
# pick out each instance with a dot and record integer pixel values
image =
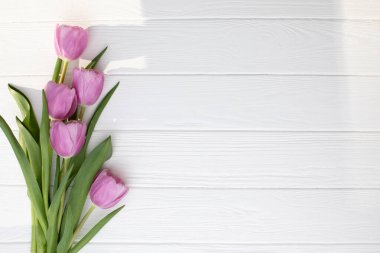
(107, 189)
(88, 85)
(61, 100)
(70, 41)
(67, 139)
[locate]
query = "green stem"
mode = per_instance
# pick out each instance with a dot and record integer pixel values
(57, 69)
(82, 222)
(63, 73)
(41, 238)
(82, 109)
(65, 163)
(33, 248)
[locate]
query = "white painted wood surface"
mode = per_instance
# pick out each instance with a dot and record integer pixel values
(232, 102)
(241, 126)
(115, 11)
(234, 159)
(232, 46)
(207, 248)
(225, 216)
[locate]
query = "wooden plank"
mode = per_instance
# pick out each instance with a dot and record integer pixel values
(208, 248)
(326, 47)
(235, 159)
(160, 215)
(121, 12)
(278, 103)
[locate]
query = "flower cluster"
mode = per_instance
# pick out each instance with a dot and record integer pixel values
(67, 135)
(57, 212)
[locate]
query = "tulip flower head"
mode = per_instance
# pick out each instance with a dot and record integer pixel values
(61, 100)
(70, 41)
(88, 85)
(67, 139)
(107, 189)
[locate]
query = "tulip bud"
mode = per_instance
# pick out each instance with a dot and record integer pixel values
(107, 189)
(67, 139)
(88, 85)
(70, 41)
(61, 100)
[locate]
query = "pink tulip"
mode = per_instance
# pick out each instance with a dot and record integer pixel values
(67, 139)
(88, 85)
(107, 189)
(70, 41)
(61, 100)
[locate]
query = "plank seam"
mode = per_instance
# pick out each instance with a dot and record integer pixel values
(212, 74)
(222, 243)
(211, 188)
(192, 19)
(188, 131)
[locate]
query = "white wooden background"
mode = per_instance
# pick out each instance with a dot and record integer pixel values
(240, 125)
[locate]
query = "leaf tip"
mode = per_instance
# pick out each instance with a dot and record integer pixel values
(10, 86)
(115, 87)
(18, 120)
(109, 140)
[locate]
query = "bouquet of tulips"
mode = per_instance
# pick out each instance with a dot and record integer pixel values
(58, 169)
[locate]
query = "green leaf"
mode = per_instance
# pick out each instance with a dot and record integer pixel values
(64, 244)
(38, 243)
(31, 182)
(95, 117)
(27, 112)
(78, 159)
(56, 176)
(57, 70)
(46, 151)
(93, 63)
(52, 217)
(82, 183)
(41, 240)
(87, 238)
(33, 150)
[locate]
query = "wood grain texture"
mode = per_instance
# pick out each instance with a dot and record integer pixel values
(241, 126)
(327, 47)
(128, 11)
(235, 159)
(209, 248)
(264, 103)
(160, 215)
